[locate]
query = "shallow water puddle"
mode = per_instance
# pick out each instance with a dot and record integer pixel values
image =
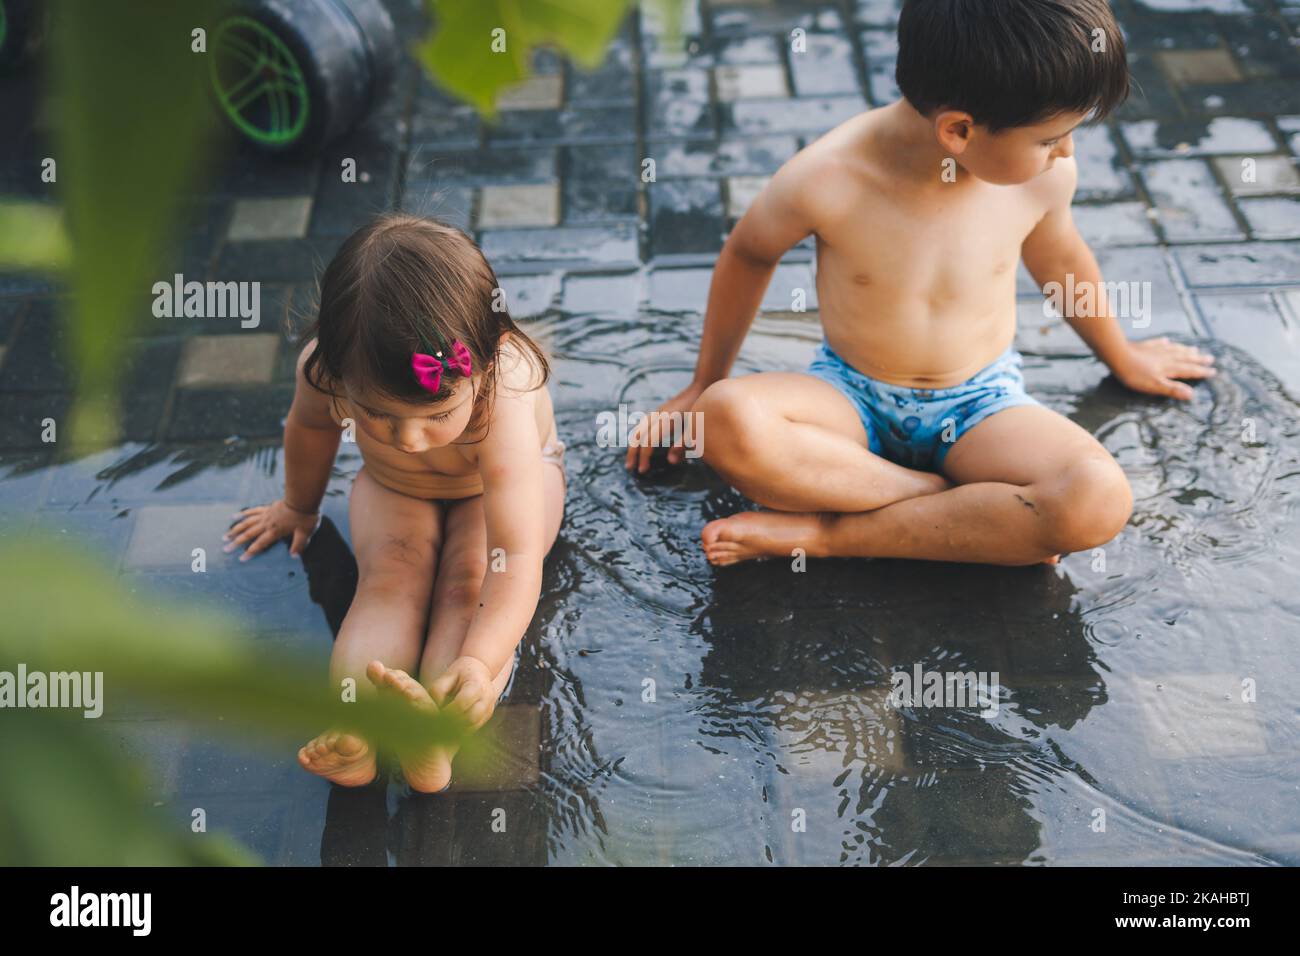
(664, 711)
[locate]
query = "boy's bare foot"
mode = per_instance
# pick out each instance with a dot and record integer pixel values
(750, 535)
(428, 770)
(340, 758)
(762, 534)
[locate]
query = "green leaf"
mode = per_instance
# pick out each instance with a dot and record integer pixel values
(461, 56)
(67, 801)
(180, 658)
(127, 145)
(32, 237)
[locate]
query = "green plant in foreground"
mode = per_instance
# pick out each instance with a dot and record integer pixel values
(60, 779)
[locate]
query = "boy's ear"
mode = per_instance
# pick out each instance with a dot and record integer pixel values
(953, 129)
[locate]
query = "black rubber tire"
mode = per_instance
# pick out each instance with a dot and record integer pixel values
(25, 24)
(380, 38)
(332, 54)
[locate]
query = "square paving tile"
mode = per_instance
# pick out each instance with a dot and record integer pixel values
(1255, 324)
(1220, 136)
(449, 204)
(1115, 224)
(680, 290)
(1198, 715)
(602, 294)
(817, 747)
(825, 65)
(1258, 175)
(269, 218)
(1243, 263)
(811, 115)
(1165, 312)
(1188, 202)
(165, 536)
(748, 50)
(539, 92)
(505, 754)
(1273, 217)
(742, 191)
(1101, 176)
(529, 295)
(1190, 67)
(677, 103)
(790, 283)
(536, 204)
(597, 245)
(750, 82)
(482, 167)
(228, 360)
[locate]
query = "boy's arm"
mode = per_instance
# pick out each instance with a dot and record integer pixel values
(790, 207)
(1055, 253)
(311, 440)
(783, 213)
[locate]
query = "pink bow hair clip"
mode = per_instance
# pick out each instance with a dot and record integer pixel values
(428, 368)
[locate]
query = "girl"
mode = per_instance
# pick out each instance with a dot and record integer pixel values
(463, 472)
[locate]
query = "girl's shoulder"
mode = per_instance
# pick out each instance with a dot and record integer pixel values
(315, 399)
(518, 370)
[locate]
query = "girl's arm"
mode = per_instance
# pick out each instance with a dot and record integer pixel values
(514, 509)
(311, 440)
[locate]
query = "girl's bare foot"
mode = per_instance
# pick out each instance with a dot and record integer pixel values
(340, 758)
(428, 770)
(750, 535)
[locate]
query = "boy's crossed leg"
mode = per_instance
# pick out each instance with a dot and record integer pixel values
(1031, 484)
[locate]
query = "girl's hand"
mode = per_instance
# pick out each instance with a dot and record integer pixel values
(465, 689)
(267, 524)
(1153, 366)
(648, 435)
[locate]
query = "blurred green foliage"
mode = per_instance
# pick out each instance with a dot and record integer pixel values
(63, 798)
(479, 49)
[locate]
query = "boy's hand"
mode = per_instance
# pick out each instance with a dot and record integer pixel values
(1154, 365)
(642, 443)
(465, 689)
(267, 524)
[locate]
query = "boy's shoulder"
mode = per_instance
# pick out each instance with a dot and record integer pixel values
(824, 172)
(841, 151)
(1054, 189)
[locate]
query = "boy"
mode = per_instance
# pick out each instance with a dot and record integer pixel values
(911, 435)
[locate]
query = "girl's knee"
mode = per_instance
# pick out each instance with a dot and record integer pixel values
(400, 585)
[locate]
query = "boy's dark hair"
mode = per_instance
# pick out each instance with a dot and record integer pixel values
(403, 284)
(1011, 62)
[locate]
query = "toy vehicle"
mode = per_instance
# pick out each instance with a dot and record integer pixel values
(293, 75)
(288, 75)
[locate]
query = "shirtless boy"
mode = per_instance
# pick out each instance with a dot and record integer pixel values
(911, 435)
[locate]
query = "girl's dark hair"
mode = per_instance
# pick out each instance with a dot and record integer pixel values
(403, 284)
(1011, 62)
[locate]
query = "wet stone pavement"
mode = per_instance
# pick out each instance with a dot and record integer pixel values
(772, 693)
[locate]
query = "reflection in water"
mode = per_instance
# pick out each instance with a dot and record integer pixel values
(663, 711)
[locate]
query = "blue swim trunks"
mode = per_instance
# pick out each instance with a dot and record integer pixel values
(917, 427)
